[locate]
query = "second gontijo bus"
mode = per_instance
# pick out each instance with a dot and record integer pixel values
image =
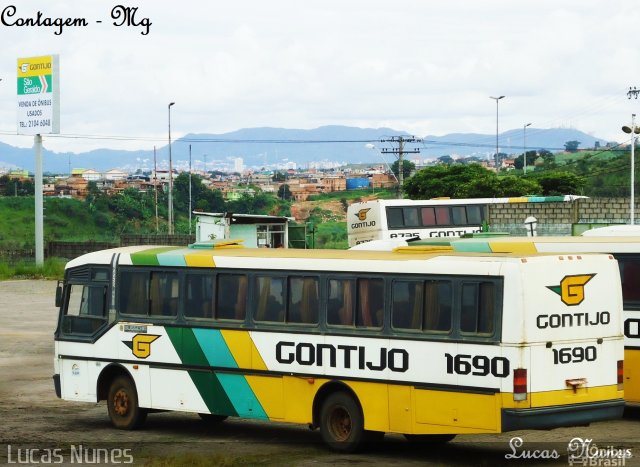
(400, 219)
(626, 249)
(354, 343)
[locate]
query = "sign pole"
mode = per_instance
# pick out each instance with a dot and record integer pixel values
(37, 143)
(38, 114)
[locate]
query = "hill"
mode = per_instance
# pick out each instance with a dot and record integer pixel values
(266, 147)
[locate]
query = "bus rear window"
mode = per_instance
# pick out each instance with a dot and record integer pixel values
(474, 215)
(630, 276)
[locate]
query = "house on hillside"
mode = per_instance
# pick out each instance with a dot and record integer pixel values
(255, 230)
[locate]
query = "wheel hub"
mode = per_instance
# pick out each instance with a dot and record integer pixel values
(121, 403)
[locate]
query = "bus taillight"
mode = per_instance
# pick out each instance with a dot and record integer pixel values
(620, 375)
(520, 384)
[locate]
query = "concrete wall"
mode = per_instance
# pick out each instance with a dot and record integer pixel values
(557, 218)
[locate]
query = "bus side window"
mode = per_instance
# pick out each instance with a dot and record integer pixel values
(395, 218)
(163, 297)
(442, 215)
(428, 217)
(370, 309)
(474, 215)
(406, 308)
(341, 302)
(478, 307)
(459, 215)
(411, 217)
(231, 299)
(269, 299)
(134, 293)
(437, 306)
(303, 301)
(199, 299)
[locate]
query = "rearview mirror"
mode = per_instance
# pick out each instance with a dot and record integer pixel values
(59, 294)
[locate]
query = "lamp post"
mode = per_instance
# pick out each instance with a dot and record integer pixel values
(633, 130)
(524, 145)
(170, 208)
(190, 190)
(496, 99)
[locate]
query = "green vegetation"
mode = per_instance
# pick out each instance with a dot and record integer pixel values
(53, 268)
(104, 218)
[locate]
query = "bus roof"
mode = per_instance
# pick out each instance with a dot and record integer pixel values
(454, 201)
(190, 257)
(551, 244)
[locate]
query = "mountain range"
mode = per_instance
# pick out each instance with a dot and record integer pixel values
(268, 147)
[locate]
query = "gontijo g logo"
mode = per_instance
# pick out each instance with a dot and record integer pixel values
(140, 345)
(362, 214)
(571, 288)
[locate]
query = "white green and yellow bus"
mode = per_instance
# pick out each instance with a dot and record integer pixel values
(625, 248)
(355, 343)
(398, 219)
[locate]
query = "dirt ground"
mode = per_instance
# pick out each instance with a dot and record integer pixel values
(34, 424)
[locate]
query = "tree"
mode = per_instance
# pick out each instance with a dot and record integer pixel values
(561, 183)
(284, 192)
(443, 180)
(571, 146)
(466, 181)
(407, 168)
(531, 159)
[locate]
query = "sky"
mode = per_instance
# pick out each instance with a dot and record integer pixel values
(424, 67)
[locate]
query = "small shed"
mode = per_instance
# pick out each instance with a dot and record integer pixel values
(256, 230)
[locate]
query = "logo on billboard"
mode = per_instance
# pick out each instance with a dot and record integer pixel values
(571, 288)
(140, 345)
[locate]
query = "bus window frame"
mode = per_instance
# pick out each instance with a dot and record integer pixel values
(148, 317)
(421, 225)
(85, 276)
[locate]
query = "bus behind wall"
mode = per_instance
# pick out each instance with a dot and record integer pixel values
(435, 218)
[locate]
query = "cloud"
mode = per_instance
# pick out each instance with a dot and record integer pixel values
(422, 67)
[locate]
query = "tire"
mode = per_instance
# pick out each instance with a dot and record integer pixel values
(342, 423)
(429, 439)
(212, 419)
(122, 403)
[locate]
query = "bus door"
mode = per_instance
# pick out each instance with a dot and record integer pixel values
(83, 315)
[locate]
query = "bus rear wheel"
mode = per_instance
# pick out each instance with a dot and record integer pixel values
(342, 423)
(124, 411)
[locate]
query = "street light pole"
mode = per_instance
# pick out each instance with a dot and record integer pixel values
(524, 152)
(170, 208)
(496, 99)
(190, 190)
(633, 130)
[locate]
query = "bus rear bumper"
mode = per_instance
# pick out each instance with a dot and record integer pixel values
(56, 385)
(553, 417)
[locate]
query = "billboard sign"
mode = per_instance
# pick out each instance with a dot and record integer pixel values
(39, 95)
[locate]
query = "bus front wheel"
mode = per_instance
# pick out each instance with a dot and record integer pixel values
(342, 423)
(124, 411)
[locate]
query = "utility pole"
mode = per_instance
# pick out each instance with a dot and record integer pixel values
(633, 92)
(401, 151)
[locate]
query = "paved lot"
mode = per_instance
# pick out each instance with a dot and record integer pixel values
(33, 422)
